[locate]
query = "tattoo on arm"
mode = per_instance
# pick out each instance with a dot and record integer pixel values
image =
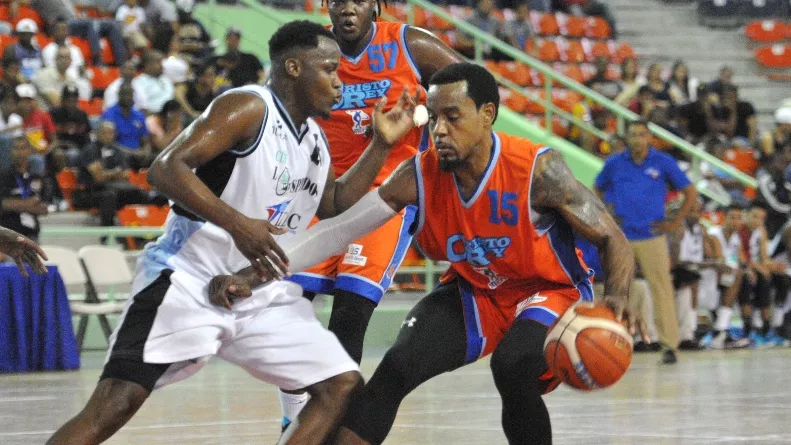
(554, 188)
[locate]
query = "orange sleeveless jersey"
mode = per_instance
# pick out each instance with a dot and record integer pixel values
(383, 68)
(494, 240)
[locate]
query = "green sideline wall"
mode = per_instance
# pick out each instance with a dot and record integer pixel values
(256, 29)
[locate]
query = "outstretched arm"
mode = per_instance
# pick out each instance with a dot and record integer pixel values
(555, 188)
(329, 236)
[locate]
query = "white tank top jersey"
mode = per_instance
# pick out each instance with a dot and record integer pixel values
(691, 248)
(755, 246)
(279, 178)
(730, 247)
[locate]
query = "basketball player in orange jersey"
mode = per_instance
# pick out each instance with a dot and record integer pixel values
(503, 211)
(378, 59)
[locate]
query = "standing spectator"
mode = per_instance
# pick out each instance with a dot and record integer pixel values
(128, 73)
(196, 95)
(235, 67)
(132, 18)
(681, 88)
(51, 80)
(746, 121)
(60, 38)
(20, 205)
(780, 136)
(103, 177)
(73, 126)
(130, 128)
(725, 79)
(774, 192)
(193, 38)
(165, 125)
(156, 88)
(519, 31)
(25, 50)
(635, 184)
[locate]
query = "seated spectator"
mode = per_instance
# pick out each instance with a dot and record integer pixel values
(196, 94)
(518, 31)
(11, 76)
(157, 89)
(175, 67)
(644, 103)
(132, 19)
(89, 29)
(10, 121)
(25, 50)
(60, 36)
(774, 196)
(236, 68)
(705, 117)
(103, 178)
(746, 120)
(130, 128)
(193, 38)
(165, 125)
(483, 19)
(51, 80)
(591, 8)
(128, 73)
(657, 85)
(725, 78)
(20, 206)
(600, 83)
(162, 22)
(37, 124)
(780, 135)
(681, 88)
(73, 126)
(630, 82)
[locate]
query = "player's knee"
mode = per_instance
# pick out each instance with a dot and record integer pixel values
(339, 387)
(113, 403)
(399, 364)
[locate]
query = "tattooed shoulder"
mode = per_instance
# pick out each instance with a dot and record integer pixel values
(553, 182)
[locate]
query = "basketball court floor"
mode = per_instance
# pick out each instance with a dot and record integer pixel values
(741, 397)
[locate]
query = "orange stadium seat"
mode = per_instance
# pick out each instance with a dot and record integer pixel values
(544, 24)
(565, 99)
(139, 179)
(93, 108)
(141, 216)
(572, 71)
(4, 14)
(420, 17)
(26, 12)
(85, 49)
(107, 52)
(514, 101)
(571, 25)
(516, 72)
(597, 48)
(624, 51)
(597, 28)
(104, 76)
(448, 37)
(437, 23)
(571, 51)
(537, 78)
(397, 11)
(766, 31)
(67, 181)
(547, 49)
(774, 56)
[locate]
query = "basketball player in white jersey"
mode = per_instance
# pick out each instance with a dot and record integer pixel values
(687, 256)
(757, 286)
(253, 165)
(724, 281)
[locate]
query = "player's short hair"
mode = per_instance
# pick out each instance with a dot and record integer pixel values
(481, 86)
(301, 34)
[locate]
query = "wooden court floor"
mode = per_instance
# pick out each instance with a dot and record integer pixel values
(708, 398)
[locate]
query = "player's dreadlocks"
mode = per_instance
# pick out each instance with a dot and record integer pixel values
(377, 13)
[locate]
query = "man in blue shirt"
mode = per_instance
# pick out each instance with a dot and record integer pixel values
(130, 127)
(635, 184)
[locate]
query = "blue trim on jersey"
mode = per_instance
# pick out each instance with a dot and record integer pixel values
(561, 239)
(250, 149)
(356, 59)
(487, 173)
(424, 140)
(539, 314)
(177, 233)
(421, 198)
(314, 282)
(409, 58)
(404, 240)
(472, 321)
(359, 285)
(289, 122)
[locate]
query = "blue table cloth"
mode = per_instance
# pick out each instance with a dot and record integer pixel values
(36, 333)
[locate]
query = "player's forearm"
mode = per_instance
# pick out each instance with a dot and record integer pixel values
(176, 180)
(357, 181)
(330, 236)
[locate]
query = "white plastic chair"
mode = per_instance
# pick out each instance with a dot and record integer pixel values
(73, 274)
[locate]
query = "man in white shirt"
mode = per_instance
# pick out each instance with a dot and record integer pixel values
(128, 72)
(156, 88)
(51, 80)
(60, 36)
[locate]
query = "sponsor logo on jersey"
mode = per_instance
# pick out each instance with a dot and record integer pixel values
(360, 120)
(355, 95)
(279, 217)
(476, 250)
(286, 185)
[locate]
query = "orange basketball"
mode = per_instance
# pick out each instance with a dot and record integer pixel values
(587, 349)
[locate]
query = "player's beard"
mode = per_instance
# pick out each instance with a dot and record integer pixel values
(450, 165)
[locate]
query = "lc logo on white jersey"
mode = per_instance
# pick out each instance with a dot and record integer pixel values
(360, 120)
(354, 256)
(536, 298)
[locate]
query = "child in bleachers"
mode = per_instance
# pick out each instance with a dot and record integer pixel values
(132, 17)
